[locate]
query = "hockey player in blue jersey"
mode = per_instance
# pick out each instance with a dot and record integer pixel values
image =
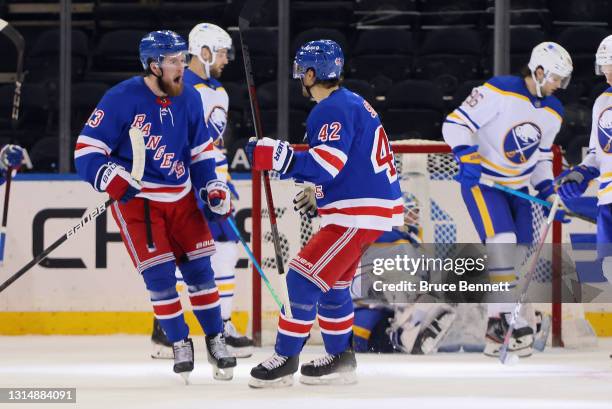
(351, 164)
(211, 49)
(503, 132)
(597, 163)
(160, 223)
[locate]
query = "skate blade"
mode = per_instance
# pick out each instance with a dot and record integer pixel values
(492, 350)
(162, 352)
(185, 376)
(245, 352)
(223, 374)
(338, 378)
(281, 382)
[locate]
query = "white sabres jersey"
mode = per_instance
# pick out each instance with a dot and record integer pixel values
(216, 103)
(513, 129)
(599, 154)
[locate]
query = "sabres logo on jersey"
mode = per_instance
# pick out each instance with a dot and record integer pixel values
(604, 130)
(521, 142)
(217, 121)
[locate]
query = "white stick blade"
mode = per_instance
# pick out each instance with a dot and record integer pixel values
(138, 153)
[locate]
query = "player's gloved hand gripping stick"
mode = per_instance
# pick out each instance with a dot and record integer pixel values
(138, 153)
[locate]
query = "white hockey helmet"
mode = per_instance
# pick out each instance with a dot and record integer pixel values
(554, 60)
(603, 55)
(214, 38)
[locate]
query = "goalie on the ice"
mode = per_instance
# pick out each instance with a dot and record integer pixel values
(397, 322)
(350, 162)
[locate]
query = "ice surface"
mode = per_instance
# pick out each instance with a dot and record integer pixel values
(114, 372)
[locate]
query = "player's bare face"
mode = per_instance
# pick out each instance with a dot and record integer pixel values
(607, 71)
(307, 81)
(552, 84)
(221, 60)
(171, 81)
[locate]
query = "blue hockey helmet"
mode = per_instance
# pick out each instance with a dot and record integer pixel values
(325, 57)
(157, 44)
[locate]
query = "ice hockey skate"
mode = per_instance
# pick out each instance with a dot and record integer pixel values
(237, 344)
(521, 341)
(183, 358)
(220, 358)
(162, 348)
(275, 372)
(331, 370)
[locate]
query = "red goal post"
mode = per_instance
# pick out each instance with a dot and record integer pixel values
(432, 155)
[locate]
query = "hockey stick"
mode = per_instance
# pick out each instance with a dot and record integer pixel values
(504, 356)
(232, 224)
(534, 199)
(244, 22)
(19, 43)
(138, 153)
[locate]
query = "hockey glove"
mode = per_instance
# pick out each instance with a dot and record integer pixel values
(470, 167)
(11, 156)
(574, 181)
(217, 195)
(305, 203)
(546, 191)
(117, 182)
(270, 154)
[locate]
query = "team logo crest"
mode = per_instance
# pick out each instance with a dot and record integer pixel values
(521, 142)
(604, 130)
(218, 120)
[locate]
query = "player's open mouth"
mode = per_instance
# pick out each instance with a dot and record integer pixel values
(178, 79)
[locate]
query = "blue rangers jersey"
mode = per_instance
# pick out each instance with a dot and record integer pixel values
(351, 163)
(513, 129)
(215, 102)
(176, 138)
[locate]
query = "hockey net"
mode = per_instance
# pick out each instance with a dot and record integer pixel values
(426, 171)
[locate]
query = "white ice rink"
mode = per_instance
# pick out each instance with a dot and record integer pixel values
(114, 372)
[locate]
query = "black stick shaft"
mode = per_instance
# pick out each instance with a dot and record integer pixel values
(243, 24)
(7, 195)
(101, 209)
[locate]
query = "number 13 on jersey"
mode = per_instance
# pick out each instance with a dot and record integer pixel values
(382, 156)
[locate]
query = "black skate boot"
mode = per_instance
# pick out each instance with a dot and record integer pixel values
(331, 369)
(183, 358)
(275, 372)
(162, 348)
(521, 340)
(219, 357)
(237, 344)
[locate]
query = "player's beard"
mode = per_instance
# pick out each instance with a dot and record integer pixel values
(173, 87)
(216, 72)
